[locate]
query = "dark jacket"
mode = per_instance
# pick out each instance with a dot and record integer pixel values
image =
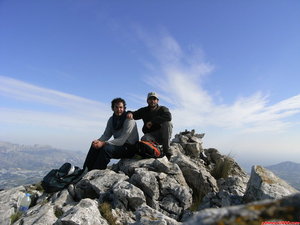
(157, 116)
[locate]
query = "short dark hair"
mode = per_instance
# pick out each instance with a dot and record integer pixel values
(116, 101)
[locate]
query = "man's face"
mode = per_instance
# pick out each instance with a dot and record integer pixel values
(152, 102)
(119, 109)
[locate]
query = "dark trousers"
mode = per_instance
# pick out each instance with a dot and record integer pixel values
(162, 136)
(98, 158)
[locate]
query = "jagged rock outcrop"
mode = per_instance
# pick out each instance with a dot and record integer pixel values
(162, 183)
(231, 181)
(195, 172)
(151, 191)
(264, 184)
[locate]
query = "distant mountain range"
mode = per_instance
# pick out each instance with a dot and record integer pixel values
(288, 171)
(23, 164)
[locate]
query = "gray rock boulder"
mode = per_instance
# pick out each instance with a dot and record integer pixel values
(85, 212)
(145, 215)
(191, 143)
(97, 183)
(264, 184)
(40, 215)
(231, 192)
(195, 173)
(127, 196)
(147, 181)
(123, 216)
(162, 183)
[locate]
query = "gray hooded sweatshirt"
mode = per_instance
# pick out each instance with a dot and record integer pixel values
(127, 134)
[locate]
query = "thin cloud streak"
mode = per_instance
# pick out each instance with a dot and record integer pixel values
(68, 111)
(19, 90)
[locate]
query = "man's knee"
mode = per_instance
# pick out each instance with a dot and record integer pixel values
(148, 137)
(166, 129)
(108, 149)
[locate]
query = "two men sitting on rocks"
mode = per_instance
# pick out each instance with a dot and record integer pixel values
(122, 126)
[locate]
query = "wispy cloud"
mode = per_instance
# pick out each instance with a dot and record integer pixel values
(67, 111)
(179, 77)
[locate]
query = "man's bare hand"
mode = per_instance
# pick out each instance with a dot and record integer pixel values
(130, 116)
(149, 124)
(98, 144)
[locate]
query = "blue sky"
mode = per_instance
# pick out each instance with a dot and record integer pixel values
(229, 69)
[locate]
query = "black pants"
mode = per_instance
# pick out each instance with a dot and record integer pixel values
(98, 158)
(162, 136)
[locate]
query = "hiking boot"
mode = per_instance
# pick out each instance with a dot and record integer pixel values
(168, 153)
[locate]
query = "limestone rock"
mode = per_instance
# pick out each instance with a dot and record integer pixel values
(162, 182)
(193, 149)
(195, 173)
(191, 143)
(127, 196)
(63, 200)
(169, 186)
(9, 203)
(148, 183)
(285, 209)
(96, 183)
(264, 184)
(231, 192)
(145, 215)
(39, 215)
(128, 166)
(123, 216)
(85, 212)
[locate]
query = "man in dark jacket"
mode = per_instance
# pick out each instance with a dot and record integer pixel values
(157, 122)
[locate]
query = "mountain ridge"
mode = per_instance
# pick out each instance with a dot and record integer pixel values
(289, 171)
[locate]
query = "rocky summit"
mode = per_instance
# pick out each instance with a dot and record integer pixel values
(195, 186)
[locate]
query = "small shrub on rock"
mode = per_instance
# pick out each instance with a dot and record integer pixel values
(105, 210)
(222, 168)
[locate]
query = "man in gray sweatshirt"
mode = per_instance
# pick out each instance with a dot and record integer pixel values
(125, 135)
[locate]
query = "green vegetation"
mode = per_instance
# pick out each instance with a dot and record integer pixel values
(14, 217)
(223, 168)
(197, 199)
(58, 212)
(105, 210)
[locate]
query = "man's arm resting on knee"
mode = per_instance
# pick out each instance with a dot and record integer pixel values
(98, 144)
